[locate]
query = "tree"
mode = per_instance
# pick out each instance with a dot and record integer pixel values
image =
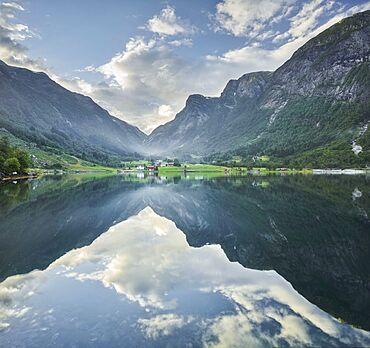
(2, 160)
(4, 146)
(23, 158)
(11, 165)
(176, 163)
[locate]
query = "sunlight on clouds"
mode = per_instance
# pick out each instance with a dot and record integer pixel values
(248, 17)
(150, 74)
(167, 23)
(12, 34)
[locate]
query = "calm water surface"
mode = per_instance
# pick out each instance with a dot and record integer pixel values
(185, 262)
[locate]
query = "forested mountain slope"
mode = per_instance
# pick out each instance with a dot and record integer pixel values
(313, 110)
(35, 108)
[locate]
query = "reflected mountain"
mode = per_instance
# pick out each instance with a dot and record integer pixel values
(141, 282)
(314, 231)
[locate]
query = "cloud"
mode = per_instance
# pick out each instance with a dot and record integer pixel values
(168, 23)
(182, 42)
(146, 75)
(247, 18)
(162, 325)
(306, 20)
(12, 35)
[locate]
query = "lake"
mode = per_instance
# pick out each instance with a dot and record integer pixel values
(128, 261)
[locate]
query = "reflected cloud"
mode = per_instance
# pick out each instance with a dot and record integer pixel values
(173, 287)
(162, 325)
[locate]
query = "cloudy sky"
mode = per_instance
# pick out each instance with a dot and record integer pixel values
(141, 59)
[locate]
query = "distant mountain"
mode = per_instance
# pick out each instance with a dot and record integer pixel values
(313, 110)
(199, 127)
(35, 108)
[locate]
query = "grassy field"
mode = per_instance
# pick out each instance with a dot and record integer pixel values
(207, 168)
(199, 168)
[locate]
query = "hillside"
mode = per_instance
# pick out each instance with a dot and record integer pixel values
(312, 111)
(36, 109)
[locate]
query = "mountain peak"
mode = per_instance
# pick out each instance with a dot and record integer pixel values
(340, 31)
(250, 85)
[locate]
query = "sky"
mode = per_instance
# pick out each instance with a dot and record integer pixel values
(142, 59)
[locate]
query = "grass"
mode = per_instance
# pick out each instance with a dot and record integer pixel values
(199, 168)
(220, 170)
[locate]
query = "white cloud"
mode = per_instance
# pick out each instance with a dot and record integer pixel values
(162, 325)
(12, 5)
(249, 17)
(146, 75)
(12, 34)
(182, 42)
(168, 23)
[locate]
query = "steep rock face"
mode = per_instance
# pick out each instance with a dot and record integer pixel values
(319, 98)
(196, 129)
(35, 107)
(250, 85)
(322, 65)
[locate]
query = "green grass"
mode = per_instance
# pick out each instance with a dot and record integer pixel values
(198, 168)
(203, 169)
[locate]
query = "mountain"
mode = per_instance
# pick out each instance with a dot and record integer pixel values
(196, 129)
(35, 108)
(313, 110)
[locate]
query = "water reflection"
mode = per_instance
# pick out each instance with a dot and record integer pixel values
(146, 285)
(314, 231)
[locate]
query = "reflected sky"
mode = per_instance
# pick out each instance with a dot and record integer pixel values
(142, 284)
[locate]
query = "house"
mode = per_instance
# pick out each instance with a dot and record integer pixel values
(170, 164)
(140, 167)
(151, 168)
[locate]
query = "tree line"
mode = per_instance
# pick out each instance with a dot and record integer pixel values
(12, 159)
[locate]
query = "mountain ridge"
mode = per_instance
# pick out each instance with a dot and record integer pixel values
(313, 110)
(321, 91)
(36, 108)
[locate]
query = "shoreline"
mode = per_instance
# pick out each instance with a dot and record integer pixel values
(226, 171)
(17, 178)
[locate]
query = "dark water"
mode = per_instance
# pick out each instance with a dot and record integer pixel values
(224, 262)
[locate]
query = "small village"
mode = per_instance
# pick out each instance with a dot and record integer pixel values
(149, 166)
